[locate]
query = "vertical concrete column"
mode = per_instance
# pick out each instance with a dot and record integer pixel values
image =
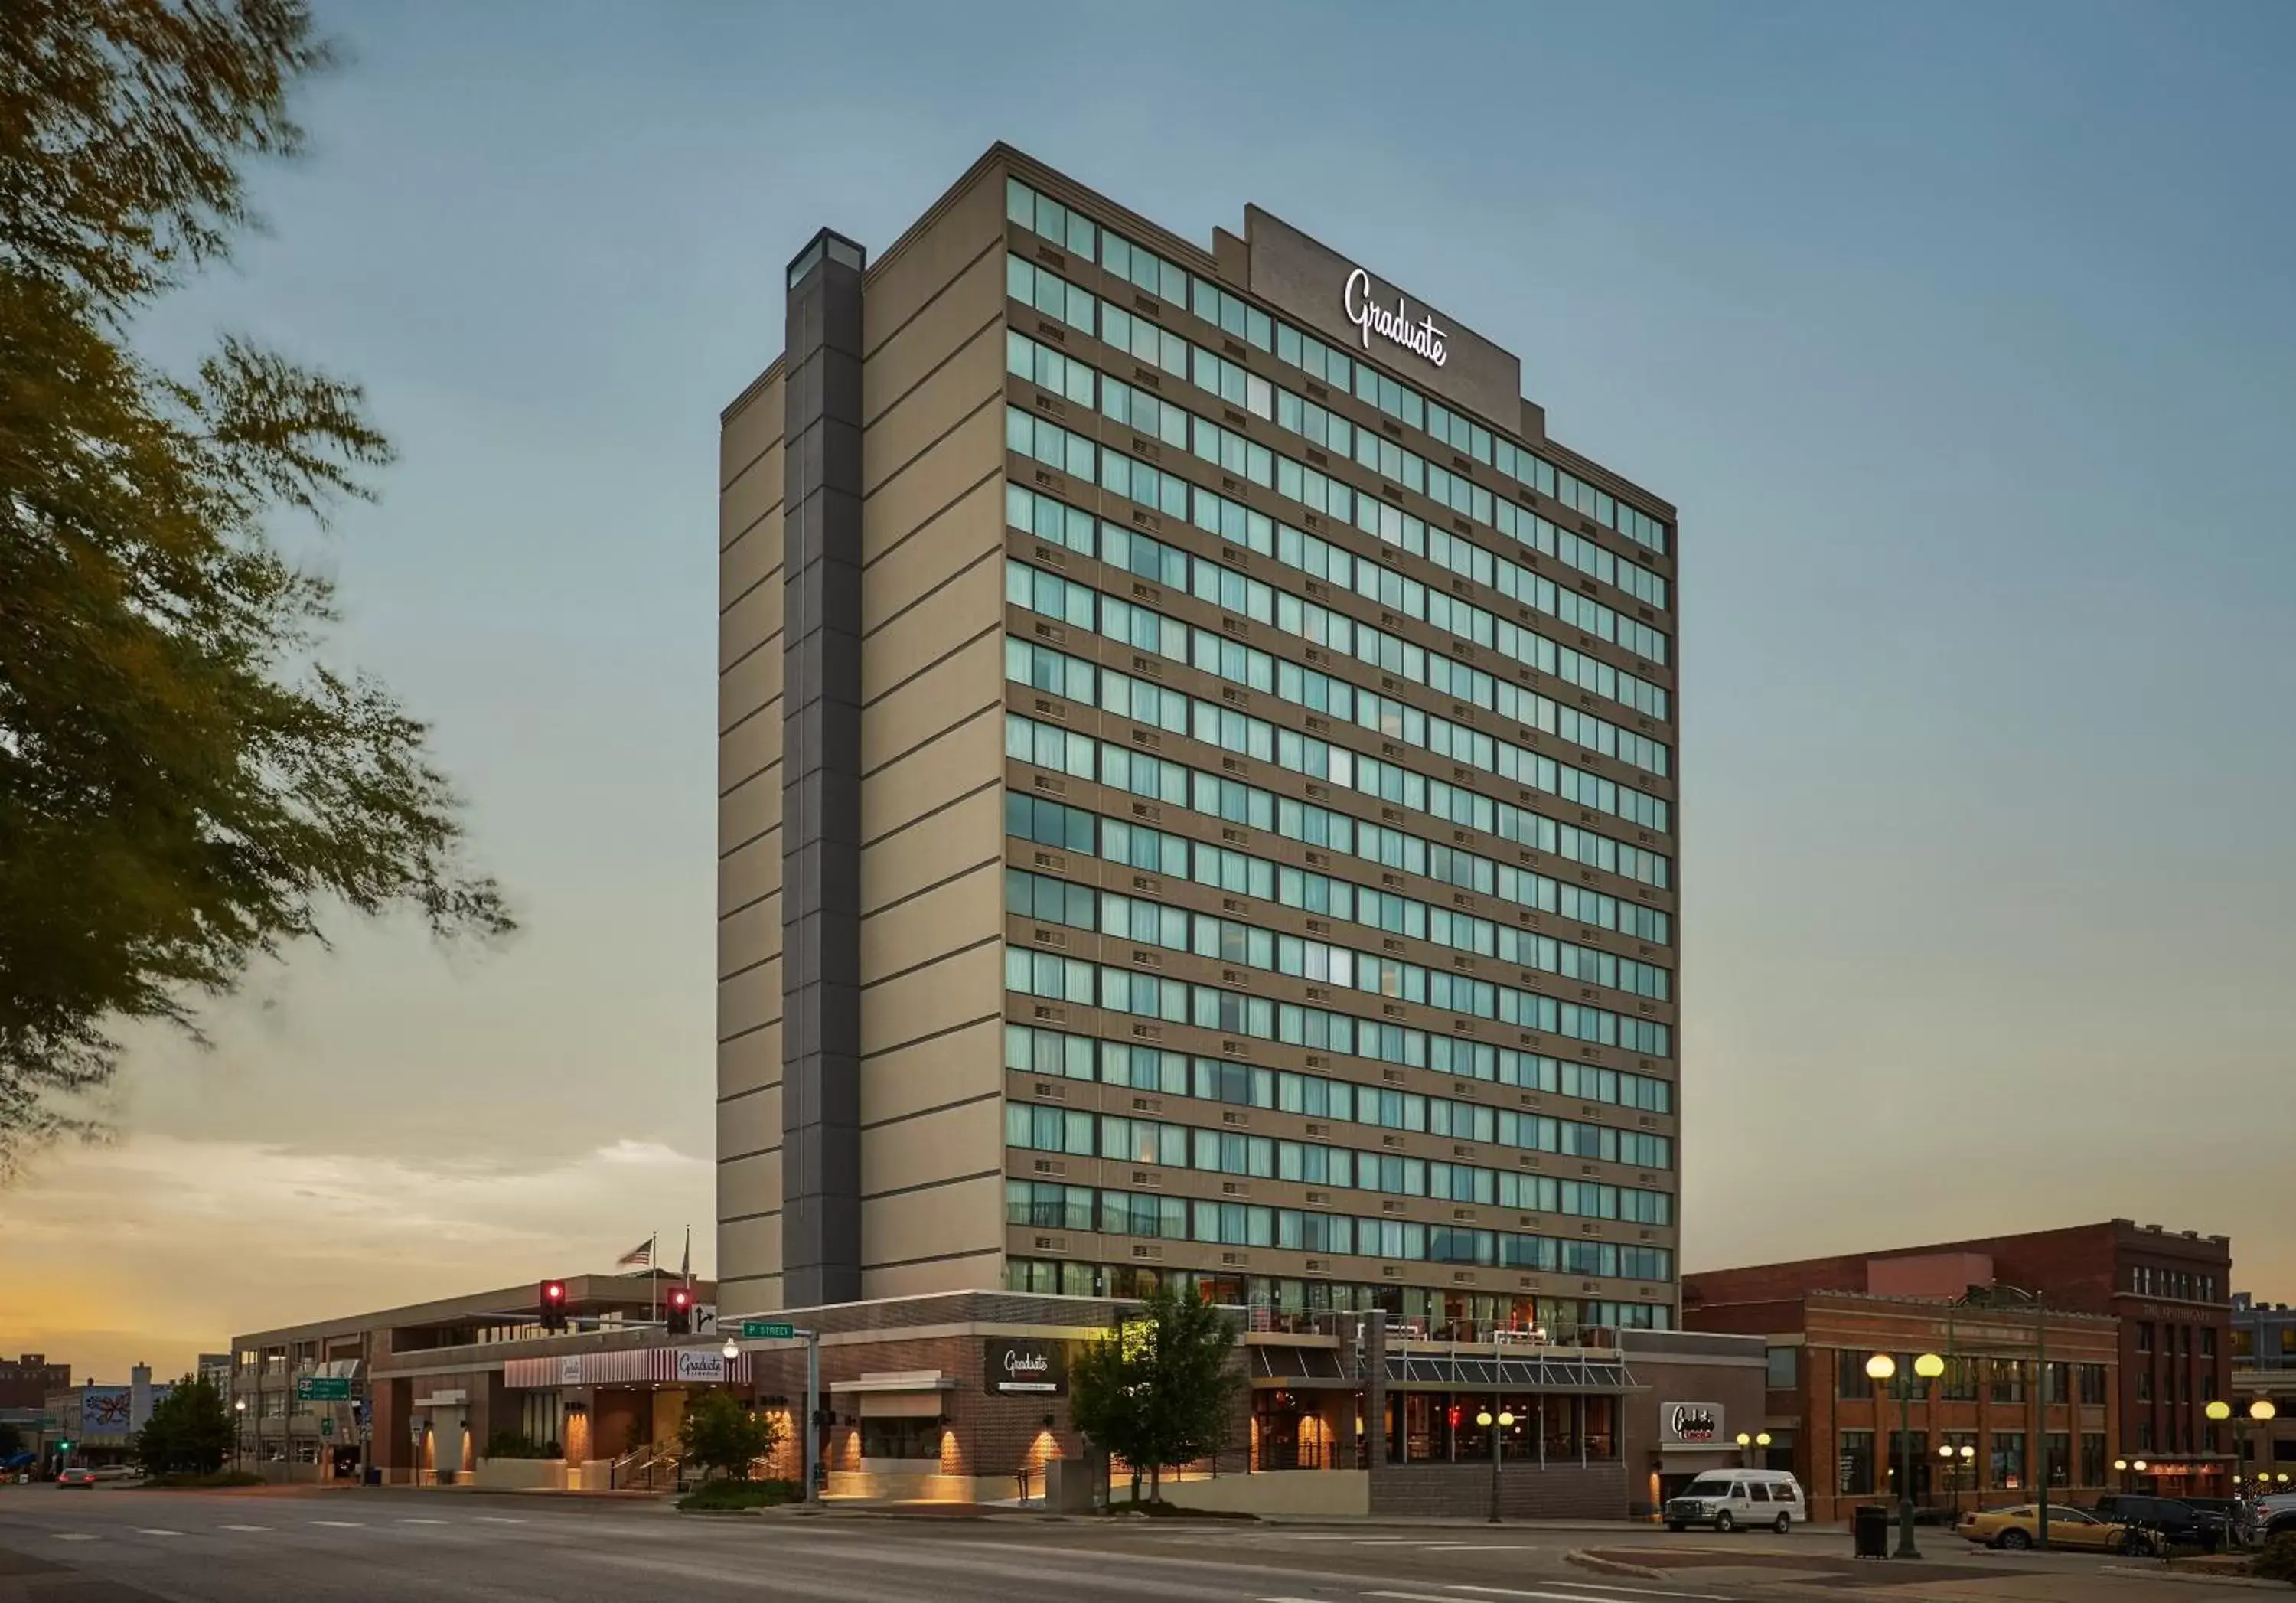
(1372, 1340)
(821, 778)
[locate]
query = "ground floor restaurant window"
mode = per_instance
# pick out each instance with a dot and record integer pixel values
(914, 1439)
(1434, 1428)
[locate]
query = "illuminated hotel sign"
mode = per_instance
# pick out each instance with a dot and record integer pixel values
(1349, 306)
(1422, 338)
(1018, 1366)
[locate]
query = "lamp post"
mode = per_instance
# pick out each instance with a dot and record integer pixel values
(1965, 1460)
(2121, 1468)
(239, 1433)
(2260, 1410)
(1882, 1367)
(1495, 1426)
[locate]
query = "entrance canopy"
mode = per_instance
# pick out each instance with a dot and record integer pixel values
(1508, 1372)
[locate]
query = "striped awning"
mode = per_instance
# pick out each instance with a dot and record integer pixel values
(629, 1366)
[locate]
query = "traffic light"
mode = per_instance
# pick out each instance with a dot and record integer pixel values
(679, 1311)
(553, 1301)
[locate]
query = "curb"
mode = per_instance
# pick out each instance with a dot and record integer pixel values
(2189, 1577)
(1611, 1566)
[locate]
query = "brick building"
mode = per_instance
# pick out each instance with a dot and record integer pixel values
(1849, 1439)
(2170, 1290)
(26, 1382)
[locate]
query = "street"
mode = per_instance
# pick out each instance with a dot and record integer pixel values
(123, 1546)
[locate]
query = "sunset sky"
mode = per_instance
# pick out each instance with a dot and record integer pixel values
(1962, 335)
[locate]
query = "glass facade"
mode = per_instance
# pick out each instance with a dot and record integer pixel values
(1339, 817)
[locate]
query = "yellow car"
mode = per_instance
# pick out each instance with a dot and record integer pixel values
(2016, 1528)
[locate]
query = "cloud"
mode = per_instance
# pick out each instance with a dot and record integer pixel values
(160, 1247)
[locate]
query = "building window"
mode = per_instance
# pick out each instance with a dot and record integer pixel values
(2004, 1466)
(1959, 1382)
(2144, 1384)
(2055, 1382)
(1783, 1367)
(1851, 1384)
(913, 1439)
(1857, 1463)
(2092, 1458)
(2145, 1435)
(2060, 1447)
(2008, 1380)
(2209, 1342)
(2092, 1386)
(2144, 1337)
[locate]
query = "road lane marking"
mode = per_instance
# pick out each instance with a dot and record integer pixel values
(423, 1521)
(75, 1535)
(155, 1531)
(497, 1519)
(244, 1527)
(1475, 1547)
(1383, 1541)
(1592, 1586)
(340, 1525)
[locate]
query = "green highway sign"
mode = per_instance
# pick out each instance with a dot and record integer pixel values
(326, 1427)
(323, 1388)
(758, 1330)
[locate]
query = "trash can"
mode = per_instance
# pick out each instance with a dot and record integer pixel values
(1870, 1524)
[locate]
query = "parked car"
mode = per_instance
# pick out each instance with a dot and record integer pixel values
(2232, 1511)
(2172, 1520)
(2017, 1527)
(2274, 1515)
(1729, 1499)
(77, 1476)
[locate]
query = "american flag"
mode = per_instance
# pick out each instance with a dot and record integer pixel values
(640, 1256)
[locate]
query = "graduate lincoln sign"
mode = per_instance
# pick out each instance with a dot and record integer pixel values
(1014, 1366)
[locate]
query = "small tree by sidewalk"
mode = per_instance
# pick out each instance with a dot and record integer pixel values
(721, 1435)
(1156, 1390)
(189, 1432)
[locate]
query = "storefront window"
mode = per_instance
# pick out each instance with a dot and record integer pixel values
(1856, 1463)
(1907, 1451)
(911, 1439)
(2060, 1447)
(2091, 1460)
(1602, 1416)
(1559, 1426)
(2006, 1465)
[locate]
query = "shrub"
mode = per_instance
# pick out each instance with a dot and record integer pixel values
(2277, 1562)
(517, 1445)
(728, 1497)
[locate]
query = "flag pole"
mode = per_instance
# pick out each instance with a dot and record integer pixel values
(653, 1276)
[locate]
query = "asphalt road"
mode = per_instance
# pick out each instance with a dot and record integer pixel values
(128, 1546)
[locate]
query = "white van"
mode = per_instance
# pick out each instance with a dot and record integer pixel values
(1733, 1499)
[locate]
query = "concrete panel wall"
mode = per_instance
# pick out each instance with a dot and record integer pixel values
(750, 477)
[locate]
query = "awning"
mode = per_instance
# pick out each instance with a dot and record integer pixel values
(1296, 1366)
(896, 1380)
(1509, 1372)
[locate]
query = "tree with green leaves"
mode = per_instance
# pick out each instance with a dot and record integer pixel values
(186, 786)
(189, 1432)
(721, 1435)
(1157, 1388)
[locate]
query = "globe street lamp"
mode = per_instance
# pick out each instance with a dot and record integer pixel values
(1505, 1421)
(1747, 1442)
(239, 1433)
(1882, 1367)
(2121, 1468)
(1965, 1461)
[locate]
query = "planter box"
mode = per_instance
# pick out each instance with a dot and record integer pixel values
(522, 1475)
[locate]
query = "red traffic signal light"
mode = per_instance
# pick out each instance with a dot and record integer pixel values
(554, 1291)
(680, 1312)
(679, 1297)
(553, 1299)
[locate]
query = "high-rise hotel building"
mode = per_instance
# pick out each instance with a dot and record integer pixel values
(1197, 790)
